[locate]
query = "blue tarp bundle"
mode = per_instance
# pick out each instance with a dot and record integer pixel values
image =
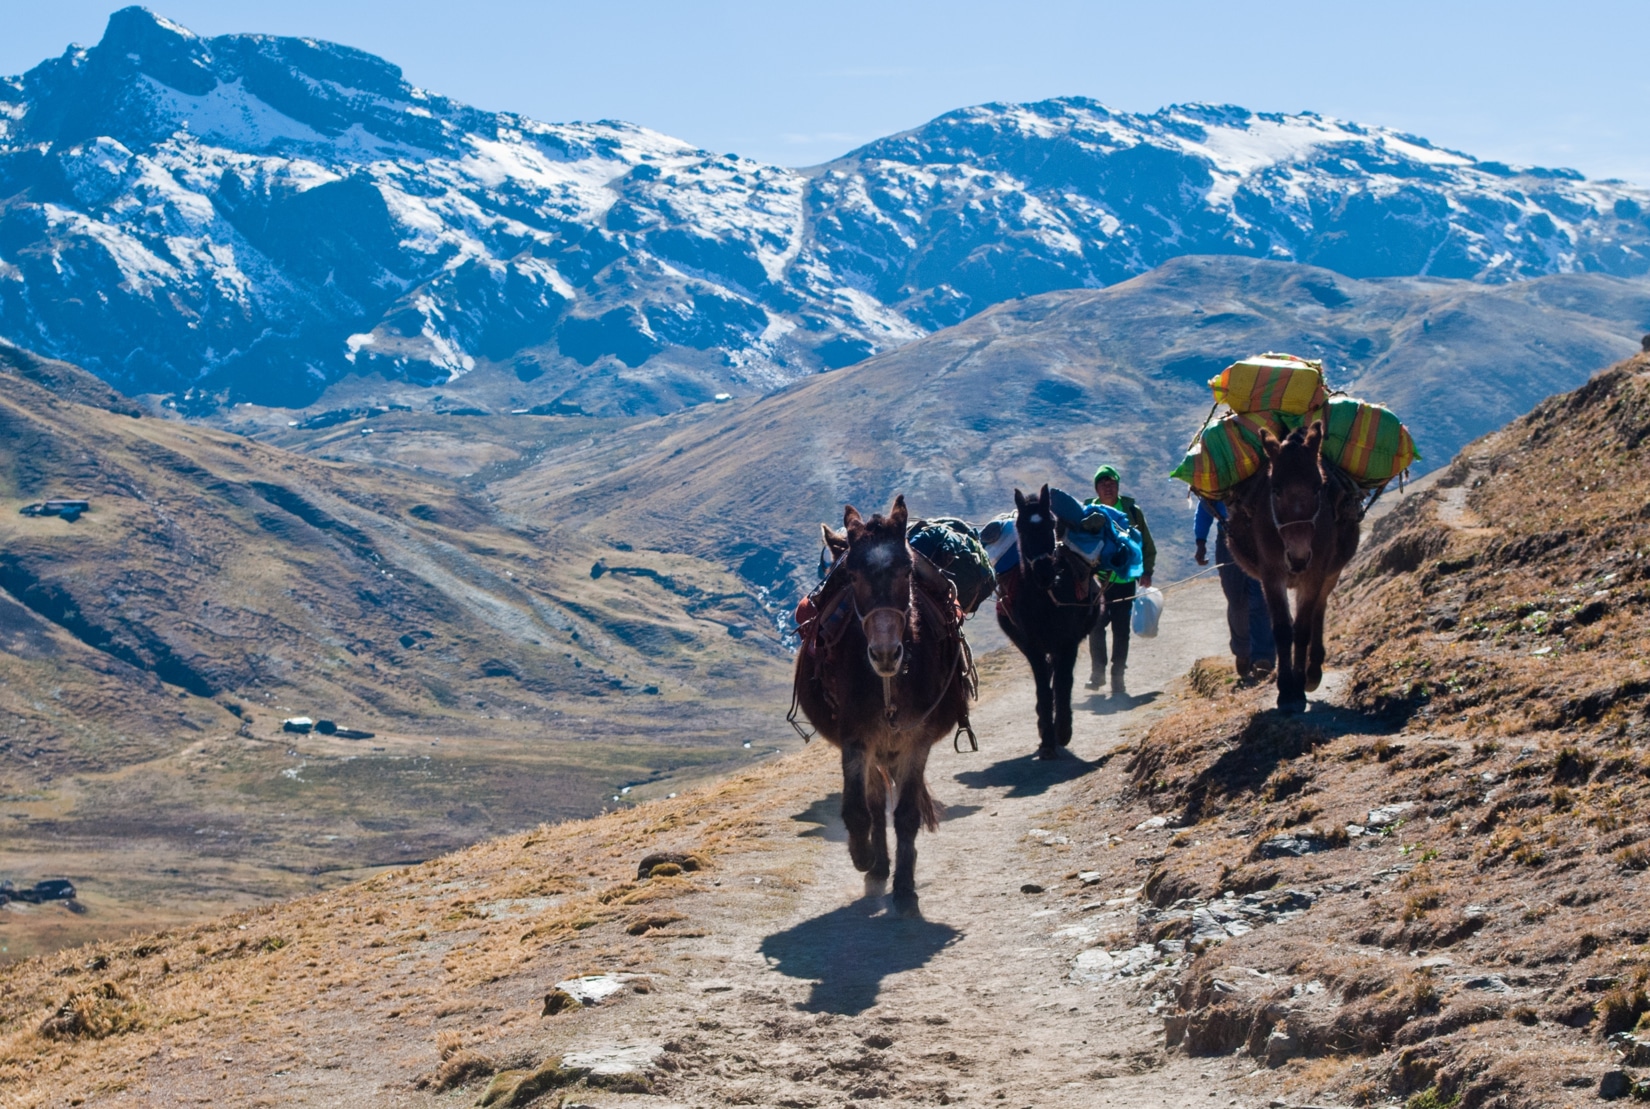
(1102, 536)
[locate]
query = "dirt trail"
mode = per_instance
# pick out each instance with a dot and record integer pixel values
(805, 993)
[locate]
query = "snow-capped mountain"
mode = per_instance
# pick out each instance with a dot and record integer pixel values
(260, 217)
(991, 202)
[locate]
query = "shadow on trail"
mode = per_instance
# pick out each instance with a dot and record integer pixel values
(826, 816)
(826, 813)
(847, 952)
(1027, 775)
(1110, 706)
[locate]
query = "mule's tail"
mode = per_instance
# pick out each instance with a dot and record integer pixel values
(928, 809)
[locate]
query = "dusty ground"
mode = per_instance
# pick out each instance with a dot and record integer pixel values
(769, 979)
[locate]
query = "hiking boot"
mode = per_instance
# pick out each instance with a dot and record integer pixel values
(1094, 681)
(1262, 667)
(1244, 667)
(1118, 689)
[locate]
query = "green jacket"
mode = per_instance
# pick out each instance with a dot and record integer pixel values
(1148, 549)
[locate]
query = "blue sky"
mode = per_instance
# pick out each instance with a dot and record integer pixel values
(1538, 83)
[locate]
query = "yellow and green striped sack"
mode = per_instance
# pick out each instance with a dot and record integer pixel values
(1270, 382)
(1366, 440)
(1226, 452)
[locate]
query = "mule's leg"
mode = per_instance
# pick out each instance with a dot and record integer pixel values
(1042, 672)
(914, 809)
(1305, 603)
(1314, 649)
(876, 803)
(1065, 666)
(1291, 691)
(856, 815)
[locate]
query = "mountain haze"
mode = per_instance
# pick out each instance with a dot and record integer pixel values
(252, 217)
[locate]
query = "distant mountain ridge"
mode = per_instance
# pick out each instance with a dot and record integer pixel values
(258, 218)
(1046, 388)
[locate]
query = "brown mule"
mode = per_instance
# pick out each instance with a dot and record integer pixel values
(1294, 527)
(883, 674)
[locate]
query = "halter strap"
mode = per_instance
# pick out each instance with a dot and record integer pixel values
(1312, 520)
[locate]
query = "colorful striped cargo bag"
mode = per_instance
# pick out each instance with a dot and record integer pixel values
(1271, 382)
(1227, 451)
(1280, 392)
(1366, 440)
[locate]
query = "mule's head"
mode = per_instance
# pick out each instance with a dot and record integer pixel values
(1297, 490)
(878, 563)
(1034, 525)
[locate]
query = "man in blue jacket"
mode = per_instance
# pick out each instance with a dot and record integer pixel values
(1248, 622)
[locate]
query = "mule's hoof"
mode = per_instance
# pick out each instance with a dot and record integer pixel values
(875, 887)
(1314, 678)
(1292, 706)
(905, 906)
(859, 853)
(1048, 751)
(1065, 741)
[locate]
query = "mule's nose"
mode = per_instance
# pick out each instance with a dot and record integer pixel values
(886, 660)
(1299, 565)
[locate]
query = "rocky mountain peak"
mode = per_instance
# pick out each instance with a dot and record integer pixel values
(257, 217)
(149, 78)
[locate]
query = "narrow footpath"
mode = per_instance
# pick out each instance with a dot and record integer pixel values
(804, 993)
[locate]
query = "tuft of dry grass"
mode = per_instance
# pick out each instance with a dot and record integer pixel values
(1422, 902)
(93, 1014)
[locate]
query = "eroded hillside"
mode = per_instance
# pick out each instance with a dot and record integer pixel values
(150, 650)
(1461, 837)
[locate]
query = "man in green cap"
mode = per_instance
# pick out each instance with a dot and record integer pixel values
(1119, 591)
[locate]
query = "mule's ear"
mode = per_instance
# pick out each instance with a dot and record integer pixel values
(897, 515)
(853, 525)
(1270, 444)
(835, 541)
(1019, 499)
(1314, 435)
(1042, 498)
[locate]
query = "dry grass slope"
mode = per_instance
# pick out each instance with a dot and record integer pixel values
(434, 973)
(1483, 936)
(1045, 388)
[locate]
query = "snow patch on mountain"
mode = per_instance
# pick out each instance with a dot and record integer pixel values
(228, 114)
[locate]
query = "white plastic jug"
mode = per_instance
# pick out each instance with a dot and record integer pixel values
(1148, 606)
